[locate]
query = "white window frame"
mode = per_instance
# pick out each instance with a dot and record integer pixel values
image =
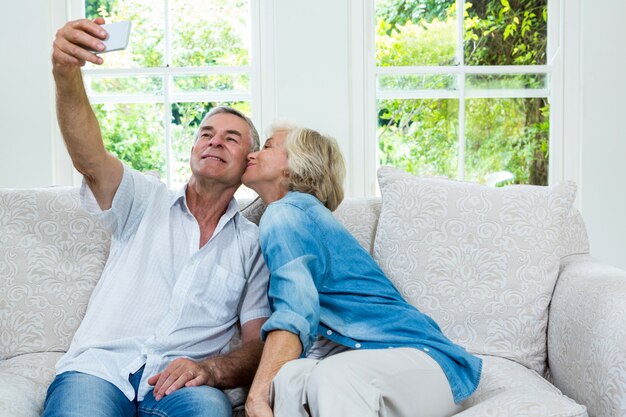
(76, 10)
(364, 182)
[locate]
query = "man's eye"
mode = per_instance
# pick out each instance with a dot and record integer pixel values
(231, 139)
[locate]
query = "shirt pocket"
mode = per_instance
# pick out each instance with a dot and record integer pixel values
(215, 299)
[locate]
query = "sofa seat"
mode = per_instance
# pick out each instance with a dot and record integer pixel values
(24, 381)
(509, 389)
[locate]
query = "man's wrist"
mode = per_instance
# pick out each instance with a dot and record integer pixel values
(213, 372)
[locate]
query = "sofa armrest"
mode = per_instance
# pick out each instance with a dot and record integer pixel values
(587, 335)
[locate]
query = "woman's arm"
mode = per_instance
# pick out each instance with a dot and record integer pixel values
(280, 347)
(297, 258)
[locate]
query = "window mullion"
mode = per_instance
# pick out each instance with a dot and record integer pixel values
(460, 13)
(167, 105)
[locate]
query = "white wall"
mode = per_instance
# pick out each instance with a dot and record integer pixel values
(312, 85)
(603, 199)
(25, 116)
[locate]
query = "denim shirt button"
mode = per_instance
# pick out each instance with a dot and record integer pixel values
(329, 332)
(358, 345)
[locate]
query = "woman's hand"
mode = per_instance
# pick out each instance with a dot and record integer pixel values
(258, 408)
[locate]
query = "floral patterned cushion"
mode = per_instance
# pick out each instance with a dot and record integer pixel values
(481, 261)
(52, 256)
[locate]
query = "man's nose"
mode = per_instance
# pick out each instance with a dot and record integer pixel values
(216, 141)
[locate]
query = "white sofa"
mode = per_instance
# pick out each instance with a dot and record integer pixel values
(52, 253)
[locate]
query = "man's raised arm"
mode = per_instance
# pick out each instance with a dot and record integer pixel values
(79, 126)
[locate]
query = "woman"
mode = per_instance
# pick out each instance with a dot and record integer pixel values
(334, 308)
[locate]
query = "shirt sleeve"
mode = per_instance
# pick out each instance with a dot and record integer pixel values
(129, 203)
(255, 302)
(296, 256)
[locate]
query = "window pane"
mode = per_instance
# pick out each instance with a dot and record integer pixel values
(419, 136)
(506, 81)
(124, 85)
(416, 82)
(507, 141)
(134, 132)
(506, 32)
(416, 33)
(186, 119)
(210, 32)
(146, 45)
(214, 82)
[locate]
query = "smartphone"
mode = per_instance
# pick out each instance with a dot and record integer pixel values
(117, 36)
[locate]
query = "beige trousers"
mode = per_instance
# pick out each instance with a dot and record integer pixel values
(402, 382)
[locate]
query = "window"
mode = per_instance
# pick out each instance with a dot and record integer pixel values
(184, 57)
(465, 94)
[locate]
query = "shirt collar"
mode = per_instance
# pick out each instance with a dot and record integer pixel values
(180, 198)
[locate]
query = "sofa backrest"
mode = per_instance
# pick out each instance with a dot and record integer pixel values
(360, 216)
(51, 256)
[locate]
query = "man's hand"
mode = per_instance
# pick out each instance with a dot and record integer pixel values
(258, 409)
(75, 42)
(180, 373)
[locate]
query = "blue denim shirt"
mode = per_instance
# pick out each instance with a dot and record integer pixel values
(323, 282)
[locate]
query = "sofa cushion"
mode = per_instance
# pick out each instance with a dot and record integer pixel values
(52, 256)
(481, 261)
(509, 389)
(24, 381)
(360, 217)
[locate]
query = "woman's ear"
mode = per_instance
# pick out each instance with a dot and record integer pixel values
(286, 173)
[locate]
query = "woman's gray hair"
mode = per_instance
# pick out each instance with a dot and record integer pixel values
(316, 165)
(255, 142)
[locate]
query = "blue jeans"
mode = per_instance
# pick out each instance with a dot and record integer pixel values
(75, 394)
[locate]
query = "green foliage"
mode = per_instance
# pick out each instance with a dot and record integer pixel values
(419, 136)
(400, 12)
(428, 43)
(501, 134)
(505, 32)
(134, 133)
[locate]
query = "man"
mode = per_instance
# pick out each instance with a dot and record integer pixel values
(184, 268)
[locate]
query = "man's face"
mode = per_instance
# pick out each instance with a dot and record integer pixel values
(219, 153)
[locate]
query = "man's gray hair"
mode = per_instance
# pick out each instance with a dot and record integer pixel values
(254, 135)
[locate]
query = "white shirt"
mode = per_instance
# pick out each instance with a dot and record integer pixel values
(160, 296)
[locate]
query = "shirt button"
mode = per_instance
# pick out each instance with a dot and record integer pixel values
(329, 332)
(426, 350)
(358, 345)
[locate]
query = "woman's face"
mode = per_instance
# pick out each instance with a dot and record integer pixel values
(267, 167)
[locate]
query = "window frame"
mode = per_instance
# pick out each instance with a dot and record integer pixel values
(76, 10)
(553, 69)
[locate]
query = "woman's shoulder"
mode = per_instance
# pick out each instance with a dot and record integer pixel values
(293, 201)
(290, 211)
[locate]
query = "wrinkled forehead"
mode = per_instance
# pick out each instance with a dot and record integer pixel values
(226, 123)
